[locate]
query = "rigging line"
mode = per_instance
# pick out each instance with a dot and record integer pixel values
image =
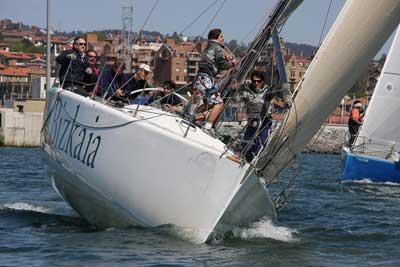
(149, 15)
(153, 112)
(285, 196)
(98, 80)
(213, 18)
(262, 19)
(105, 127)
(278, 146)
(66, 73)
(197, 18)
(112, 81)
(123, 85)
(176, 91)
(323, 27)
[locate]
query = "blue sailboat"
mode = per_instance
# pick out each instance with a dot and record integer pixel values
(374, 156)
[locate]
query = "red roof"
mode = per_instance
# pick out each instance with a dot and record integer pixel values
(59, 40)
(15, 55)
(11, 71)
(15, 71)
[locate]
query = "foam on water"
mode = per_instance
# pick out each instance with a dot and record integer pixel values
(25, 207)
(266, 229)
(368, 181)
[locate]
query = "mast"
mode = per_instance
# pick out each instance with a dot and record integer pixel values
(358, 33)
(276, 19)
(48, 55)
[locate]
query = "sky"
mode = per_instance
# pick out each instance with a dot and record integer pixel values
(238, 19)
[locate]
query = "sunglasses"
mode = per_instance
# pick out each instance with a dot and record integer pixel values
(257, 81)
(82, 44)
(89, 56)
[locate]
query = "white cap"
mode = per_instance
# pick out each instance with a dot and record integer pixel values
(145, 67)
(357, 105)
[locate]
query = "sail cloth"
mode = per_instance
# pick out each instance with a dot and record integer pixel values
(381, 127)
(358, 33)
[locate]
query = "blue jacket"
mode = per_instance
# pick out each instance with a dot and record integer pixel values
(120, 80)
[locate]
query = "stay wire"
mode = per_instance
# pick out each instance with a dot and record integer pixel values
(198, 17)
(279, 142)
(213, 18)
(98, 80)
(323, 27)
(112, 81)
(149, 15)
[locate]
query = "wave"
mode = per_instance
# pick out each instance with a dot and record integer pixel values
(25, 207)
(21, 207)
(265, 228)
(369, 182)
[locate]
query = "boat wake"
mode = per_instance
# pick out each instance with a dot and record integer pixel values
(265, 229)
(369, 182)
(36, 215)
(25, 207)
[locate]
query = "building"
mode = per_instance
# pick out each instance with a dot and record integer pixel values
(39, 87)
(296, 67)
(178, 61)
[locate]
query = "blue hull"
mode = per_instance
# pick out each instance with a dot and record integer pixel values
(357, 167)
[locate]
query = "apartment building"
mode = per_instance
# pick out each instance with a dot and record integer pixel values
(296, 67)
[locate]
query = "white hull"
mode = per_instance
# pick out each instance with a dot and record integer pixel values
(116, 169)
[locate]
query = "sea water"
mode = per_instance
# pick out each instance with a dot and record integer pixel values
(325, 223)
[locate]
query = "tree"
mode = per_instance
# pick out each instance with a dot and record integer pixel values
(27, 47)
(360, 87)
(237, 50)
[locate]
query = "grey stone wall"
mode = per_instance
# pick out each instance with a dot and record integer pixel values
(20, 128)
(329, 139)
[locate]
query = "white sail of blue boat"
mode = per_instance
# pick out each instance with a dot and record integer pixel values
(374, 155)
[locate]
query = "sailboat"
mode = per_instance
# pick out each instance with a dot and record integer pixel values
(139, 165)
(374, 155)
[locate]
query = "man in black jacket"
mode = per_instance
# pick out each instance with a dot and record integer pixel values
(213, 60)
(74, 66)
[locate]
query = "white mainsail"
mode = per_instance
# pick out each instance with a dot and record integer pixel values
(358, 33)
(381, 128)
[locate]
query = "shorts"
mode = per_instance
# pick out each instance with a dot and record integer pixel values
(206, 85)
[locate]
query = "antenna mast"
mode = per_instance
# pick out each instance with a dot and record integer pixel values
(126, 35)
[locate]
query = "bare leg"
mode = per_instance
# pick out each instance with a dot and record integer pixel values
(216, 109)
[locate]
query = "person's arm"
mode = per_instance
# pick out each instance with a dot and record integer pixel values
(65, 57)
(222, 63)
